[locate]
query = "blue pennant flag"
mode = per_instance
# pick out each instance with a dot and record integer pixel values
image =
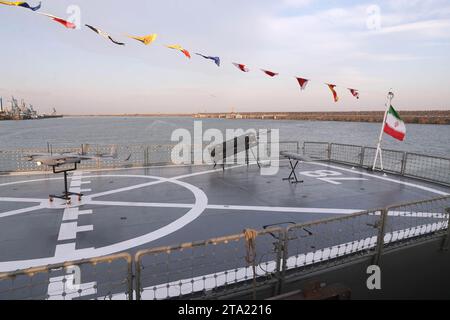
(215, 59)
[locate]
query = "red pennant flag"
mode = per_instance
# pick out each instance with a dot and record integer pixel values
(65, 23)
(335, 95)
(241, 67)
(303, 83)
(354, 93)
(270, 73)
(186, 53)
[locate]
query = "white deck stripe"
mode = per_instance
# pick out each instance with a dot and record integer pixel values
(75, 183)
(206, 172)
(141, 204)
(225, 207)
(74, 213)
(28, 181)
(283, 209)
(409, 184)
(21, 200)
(70, 214)
(85, 228)
(69, 230)
(20, 211)
(138, 186)
(64, 251)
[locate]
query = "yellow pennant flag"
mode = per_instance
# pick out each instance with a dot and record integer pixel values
(146, 39)
(176, 47)
(21, 4)
(12, 3)
(180, 48)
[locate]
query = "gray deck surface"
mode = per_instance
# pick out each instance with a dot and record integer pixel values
(34, 234)
(208, 203)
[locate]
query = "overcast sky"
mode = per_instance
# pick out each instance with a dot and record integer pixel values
(347, 43)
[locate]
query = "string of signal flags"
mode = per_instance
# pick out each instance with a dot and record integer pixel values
(151, 38)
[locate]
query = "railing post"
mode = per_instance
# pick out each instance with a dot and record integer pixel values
(362, 155)
(380, 236)
(282, 256)
(279, 262)
(446, 241)
(144, 153)
(329, 151)
(145, 156)
(298, 146)
(137, 265)
(98, 164)
(130, 278)
(404, 161)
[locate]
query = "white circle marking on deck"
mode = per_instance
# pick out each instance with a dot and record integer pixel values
(201, 202)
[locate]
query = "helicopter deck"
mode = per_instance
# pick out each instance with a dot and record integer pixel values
(126, 210)
(168, 205)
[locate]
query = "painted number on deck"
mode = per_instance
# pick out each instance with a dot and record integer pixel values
(329, 176)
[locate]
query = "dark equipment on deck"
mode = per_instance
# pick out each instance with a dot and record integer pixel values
(294, 160)
(62, 159)
(233, 147)
(66, 194)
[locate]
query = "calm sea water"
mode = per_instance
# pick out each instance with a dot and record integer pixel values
(428, 139)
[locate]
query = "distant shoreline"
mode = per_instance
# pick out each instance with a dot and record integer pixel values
(441, 117)
(150, 115)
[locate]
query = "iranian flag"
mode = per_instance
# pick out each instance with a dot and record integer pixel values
(394, 125)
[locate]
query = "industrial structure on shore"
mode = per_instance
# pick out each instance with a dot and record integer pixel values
(22, 111)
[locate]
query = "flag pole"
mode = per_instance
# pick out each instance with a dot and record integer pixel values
(379, 152)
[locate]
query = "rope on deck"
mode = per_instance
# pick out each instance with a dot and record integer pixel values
(250, 240)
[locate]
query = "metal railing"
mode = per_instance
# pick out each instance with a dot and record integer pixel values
(225, 266)
(221, 267)
(209, 268)
(413, 165)
(254, 264)
(102, 278)
(406, 222)
(331, 242)
(128, 156)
